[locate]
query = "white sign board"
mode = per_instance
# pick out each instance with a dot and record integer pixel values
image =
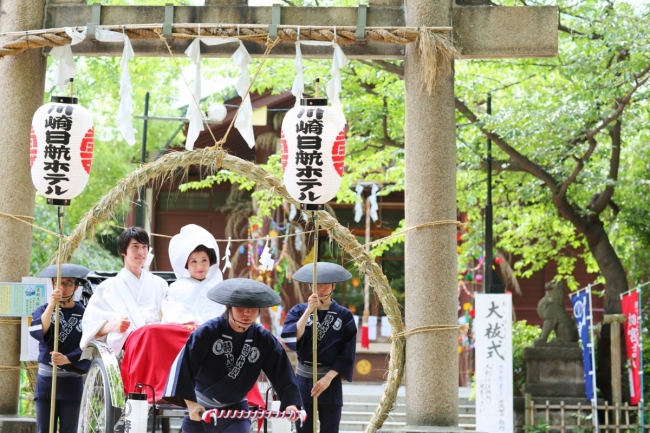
(493, 339)
(385, 327)
(372, 328)
(28, 345)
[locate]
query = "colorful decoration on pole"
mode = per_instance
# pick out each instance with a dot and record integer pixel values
(61, 149)
(313, 151)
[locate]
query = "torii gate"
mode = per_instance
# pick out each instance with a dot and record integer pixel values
(479, 31)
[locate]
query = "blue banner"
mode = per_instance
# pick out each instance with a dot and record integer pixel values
(581, 313)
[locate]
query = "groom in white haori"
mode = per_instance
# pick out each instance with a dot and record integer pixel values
(128, 301)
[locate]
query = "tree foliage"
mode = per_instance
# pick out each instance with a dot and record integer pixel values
(569, 137)
(570, 171)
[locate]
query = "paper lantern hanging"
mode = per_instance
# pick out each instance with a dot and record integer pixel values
(61, 149)
(313, 151)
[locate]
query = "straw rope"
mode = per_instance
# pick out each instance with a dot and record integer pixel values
(462, 329)
(227, 240)
(419, 226)
(213, 159)
(434, 43)
(4, 368)
(20, 218)
(345, 35)
(377, 242)
(10, 321)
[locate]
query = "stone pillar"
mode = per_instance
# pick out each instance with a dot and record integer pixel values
(430, 253)
(21, 94)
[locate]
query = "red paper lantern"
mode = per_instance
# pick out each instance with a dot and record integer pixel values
(61, 149)
(313, 151)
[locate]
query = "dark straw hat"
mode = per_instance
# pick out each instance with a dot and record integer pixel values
(328, 273)
(67, 271)
(243, 293)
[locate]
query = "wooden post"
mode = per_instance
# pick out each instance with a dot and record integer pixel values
(548, 413)
(314, 335)
(527, 409)
(579, 414)
(615, 320)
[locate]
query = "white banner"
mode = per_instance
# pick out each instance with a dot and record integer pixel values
(493, 338)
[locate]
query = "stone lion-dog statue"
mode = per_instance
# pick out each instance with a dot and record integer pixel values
(551, 309)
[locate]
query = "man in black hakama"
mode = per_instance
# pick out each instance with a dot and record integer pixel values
(336, 334)
(223, 358)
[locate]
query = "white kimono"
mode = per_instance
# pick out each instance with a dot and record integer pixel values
(186, 301)
(139, 299)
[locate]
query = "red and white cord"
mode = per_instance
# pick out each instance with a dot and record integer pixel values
(211, 416)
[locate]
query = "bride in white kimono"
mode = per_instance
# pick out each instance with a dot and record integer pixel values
(194, 255)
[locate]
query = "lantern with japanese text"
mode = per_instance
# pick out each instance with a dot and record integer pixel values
(313, 151)
(61, 149)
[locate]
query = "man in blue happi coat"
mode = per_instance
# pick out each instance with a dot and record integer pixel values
(223, 358)
(66, 360)
(336, 334)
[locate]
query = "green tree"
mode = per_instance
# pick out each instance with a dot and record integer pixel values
(570, 144)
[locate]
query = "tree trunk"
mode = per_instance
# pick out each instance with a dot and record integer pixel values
(610, 265)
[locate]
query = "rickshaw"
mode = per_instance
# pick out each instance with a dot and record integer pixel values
(104, 399)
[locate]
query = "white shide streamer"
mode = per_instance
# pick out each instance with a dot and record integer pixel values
(66, 70)
(244, 121)
(374, 207)
(339, 61)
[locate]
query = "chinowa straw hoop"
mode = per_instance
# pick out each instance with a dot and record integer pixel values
(213, 159)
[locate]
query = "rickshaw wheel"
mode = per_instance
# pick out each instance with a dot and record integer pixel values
(96, 413)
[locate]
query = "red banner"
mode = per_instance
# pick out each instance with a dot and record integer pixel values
(630, 307)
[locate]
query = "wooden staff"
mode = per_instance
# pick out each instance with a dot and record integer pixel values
(314, 289)
(56, 317)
